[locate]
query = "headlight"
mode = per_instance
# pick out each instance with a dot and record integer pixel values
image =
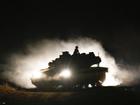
(66, 73)
(37, 75)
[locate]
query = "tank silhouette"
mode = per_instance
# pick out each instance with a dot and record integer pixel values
(76, 71)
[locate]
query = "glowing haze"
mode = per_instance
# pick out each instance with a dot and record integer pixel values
(23, 66)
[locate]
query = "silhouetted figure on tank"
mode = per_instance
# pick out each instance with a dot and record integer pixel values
(76, 51)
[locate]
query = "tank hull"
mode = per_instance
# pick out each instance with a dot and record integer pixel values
(79, 80)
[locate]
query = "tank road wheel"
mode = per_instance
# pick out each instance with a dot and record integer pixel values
(98, 84)
(64, 87)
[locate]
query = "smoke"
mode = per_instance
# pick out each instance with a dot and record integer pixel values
(22, 65)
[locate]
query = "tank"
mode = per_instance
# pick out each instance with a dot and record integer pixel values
(72, 71)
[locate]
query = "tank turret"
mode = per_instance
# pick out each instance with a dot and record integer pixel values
(72, 71)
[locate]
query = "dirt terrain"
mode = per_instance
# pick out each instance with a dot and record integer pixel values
(97, 96)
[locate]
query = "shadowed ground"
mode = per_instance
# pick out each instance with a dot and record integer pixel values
(96, 96)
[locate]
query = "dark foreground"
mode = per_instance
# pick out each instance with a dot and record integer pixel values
(96, 96)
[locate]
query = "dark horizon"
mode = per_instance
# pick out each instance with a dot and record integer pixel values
(114, 24)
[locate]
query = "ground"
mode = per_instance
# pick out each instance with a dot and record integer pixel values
(97, 96)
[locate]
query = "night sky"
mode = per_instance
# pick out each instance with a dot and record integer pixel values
(115, 24)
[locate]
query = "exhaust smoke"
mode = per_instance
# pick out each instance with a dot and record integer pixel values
(21, 67)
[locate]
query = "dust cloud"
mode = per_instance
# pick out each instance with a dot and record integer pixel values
(22, 65)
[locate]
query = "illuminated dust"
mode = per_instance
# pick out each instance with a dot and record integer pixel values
(22, 67)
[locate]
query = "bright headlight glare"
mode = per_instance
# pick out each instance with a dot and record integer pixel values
(37, 75)
(66, 73)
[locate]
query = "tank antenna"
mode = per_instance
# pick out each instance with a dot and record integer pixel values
(98, 63)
